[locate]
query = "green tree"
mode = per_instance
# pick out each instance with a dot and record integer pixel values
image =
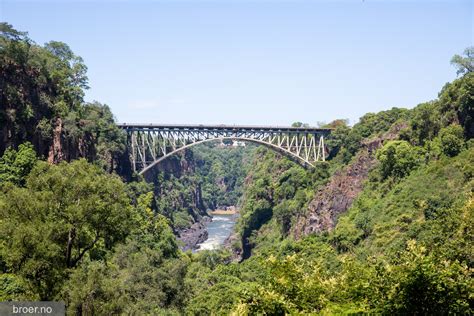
(97, 121)
(15, 165)
(423, 284)
(299, 124)
(425, 122)
(338, 136)
(7, 32)
(465, 64)
(456, 104)
(66, 212)
(452, 140)
(144, 274)
(397, 158)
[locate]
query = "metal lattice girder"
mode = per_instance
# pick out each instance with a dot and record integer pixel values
(150, 144)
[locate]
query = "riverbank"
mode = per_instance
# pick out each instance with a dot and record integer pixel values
(194, 235)
(222, 212)
(230, 210)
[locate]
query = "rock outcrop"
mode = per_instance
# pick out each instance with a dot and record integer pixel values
(230, 242)
(336, 197)
(63, 148)
(338, 194)
(194, 235)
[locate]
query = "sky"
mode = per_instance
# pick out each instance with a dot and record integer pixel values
(259, 62)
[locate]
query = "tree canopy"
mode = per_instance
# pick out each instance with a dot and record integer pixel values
(464, 64)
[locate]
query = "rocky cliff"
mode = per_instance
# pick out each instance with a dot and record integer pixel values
(62, 148)
(336, 197)
(179, 197)
(338, 194)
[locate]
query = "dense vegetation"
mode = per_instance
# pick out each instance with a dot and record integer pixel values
(222, 170)
(404, 247)
(73, 230)
(42, 90)
(188, 185)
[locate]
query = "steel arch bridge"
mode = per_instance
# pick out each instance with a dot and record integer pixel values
(149, 144)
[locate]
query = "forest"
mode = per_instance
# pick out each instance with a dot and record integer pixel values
(384, 226)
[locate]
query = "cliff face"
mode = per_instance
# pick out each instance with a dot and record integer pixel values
(56, 148)
(179, 197)
(41, 102)
(336, 197)
(172, 173)
(63, 149)
(338, 194)
(60, 145)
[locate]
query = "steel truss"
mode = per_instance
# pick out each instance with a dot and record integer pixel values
(150, 144)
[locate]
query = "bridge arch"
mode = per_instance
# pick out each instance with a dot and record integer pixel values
(150, 144)
(255, 141)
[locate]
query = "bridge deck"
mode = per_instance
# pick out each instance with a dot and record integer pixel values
(134, 126)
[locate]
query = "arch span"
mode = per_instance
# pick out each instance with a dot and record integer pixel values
(151, 144)
(255, 141)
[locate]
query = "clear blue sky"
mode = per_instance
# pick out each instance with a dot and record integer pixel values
(254, 62)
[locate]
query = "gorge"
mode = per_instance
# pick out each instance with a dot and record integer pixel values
(384, 225)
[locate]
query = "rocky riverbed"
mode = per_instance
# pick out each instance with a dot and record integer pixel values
(210, 232)
(194, 235)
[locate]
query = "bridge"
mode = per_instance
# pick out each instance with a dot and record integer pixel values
(149, 144)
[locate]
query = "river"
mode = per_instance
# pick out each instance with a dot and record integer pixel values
(219, 229)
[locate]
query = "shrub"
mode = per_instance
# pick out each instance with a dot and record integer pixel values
(452, 141)
(397, 159)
